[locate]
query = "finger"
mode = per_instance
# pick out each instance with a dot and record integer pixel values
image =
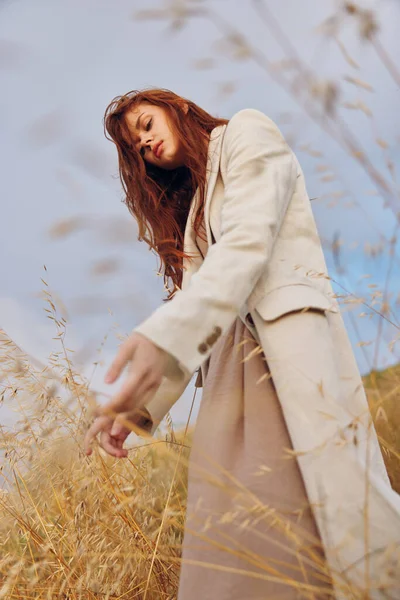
(134, 393)
(125, 399)
(105, 443)
(125, 353)
(92, 432)
(119, 444)
(108, 444)
(125, 424)
(119, 428)
(140, 385)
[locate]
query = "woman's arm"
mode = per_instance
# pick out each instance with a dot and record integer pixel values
(163, 400)
(260, 179)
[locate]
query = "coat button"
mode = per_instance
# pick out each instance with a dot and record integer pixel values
(202, 348)
(217, 331)
(211, 339)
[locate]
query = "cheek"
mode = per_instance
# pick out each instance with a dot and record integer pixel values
(175, 144)
(169, 138)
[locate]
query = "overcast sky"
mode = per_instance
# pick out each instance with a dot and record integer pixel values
(62, 62)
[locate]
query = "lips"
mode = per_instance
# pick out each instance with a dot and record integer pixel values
(157, 149)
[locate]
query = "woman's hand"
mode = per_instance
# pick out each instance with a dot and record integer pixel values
(147, 364)
(113, 432)
(112, 436)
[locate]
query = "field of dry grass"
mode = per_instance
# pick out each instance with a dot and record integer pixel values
(382, 389)
(73, 526)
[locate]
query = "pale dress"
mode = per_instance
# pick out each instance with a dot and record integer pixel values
(249, 530)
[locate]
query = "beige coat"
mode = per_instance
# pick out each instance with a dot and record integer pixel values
(267, 261)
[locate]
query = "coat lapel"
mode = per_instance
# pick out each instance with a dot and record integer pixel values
(213, 159)
(190, 247)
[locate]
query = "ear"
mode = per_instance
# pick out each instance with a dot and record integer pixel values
(185, 107)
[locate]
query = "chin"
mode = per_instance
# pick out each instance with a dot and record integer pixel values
(169, 165)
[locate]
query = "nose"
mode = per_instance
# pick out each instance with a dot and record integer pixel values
(146, 140)
(146, 143)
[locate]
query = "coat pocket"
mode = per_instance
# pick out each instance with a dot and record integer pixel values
(292, 297)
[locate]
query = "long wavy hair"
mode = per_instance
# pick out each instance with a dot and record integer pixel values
(160, 199)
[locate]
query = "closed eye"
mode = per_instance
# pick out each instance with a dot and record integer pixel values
(147, 128)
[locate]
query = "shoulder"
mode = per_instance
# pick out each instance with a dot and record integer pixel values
(249, 117)
(247, 114)
(250, 125)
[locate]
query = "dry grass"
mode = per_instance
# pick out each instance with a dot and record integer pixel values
(96, 527)
(79, 527)
(382, 389)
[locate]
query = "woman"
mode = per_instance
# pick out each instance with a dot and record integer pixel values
(224, 205)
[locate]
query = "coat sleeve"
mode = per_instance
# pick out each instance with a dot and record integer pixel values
(162, 401)
(259, 181)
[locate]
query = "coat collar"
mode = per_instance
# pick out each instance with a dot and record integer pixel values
(212, 169)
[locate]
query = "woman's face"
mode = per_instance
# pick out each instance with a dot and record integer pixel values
(153, 136)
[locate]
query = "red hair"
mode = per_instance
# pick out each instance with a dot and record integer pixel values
(160, 199)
